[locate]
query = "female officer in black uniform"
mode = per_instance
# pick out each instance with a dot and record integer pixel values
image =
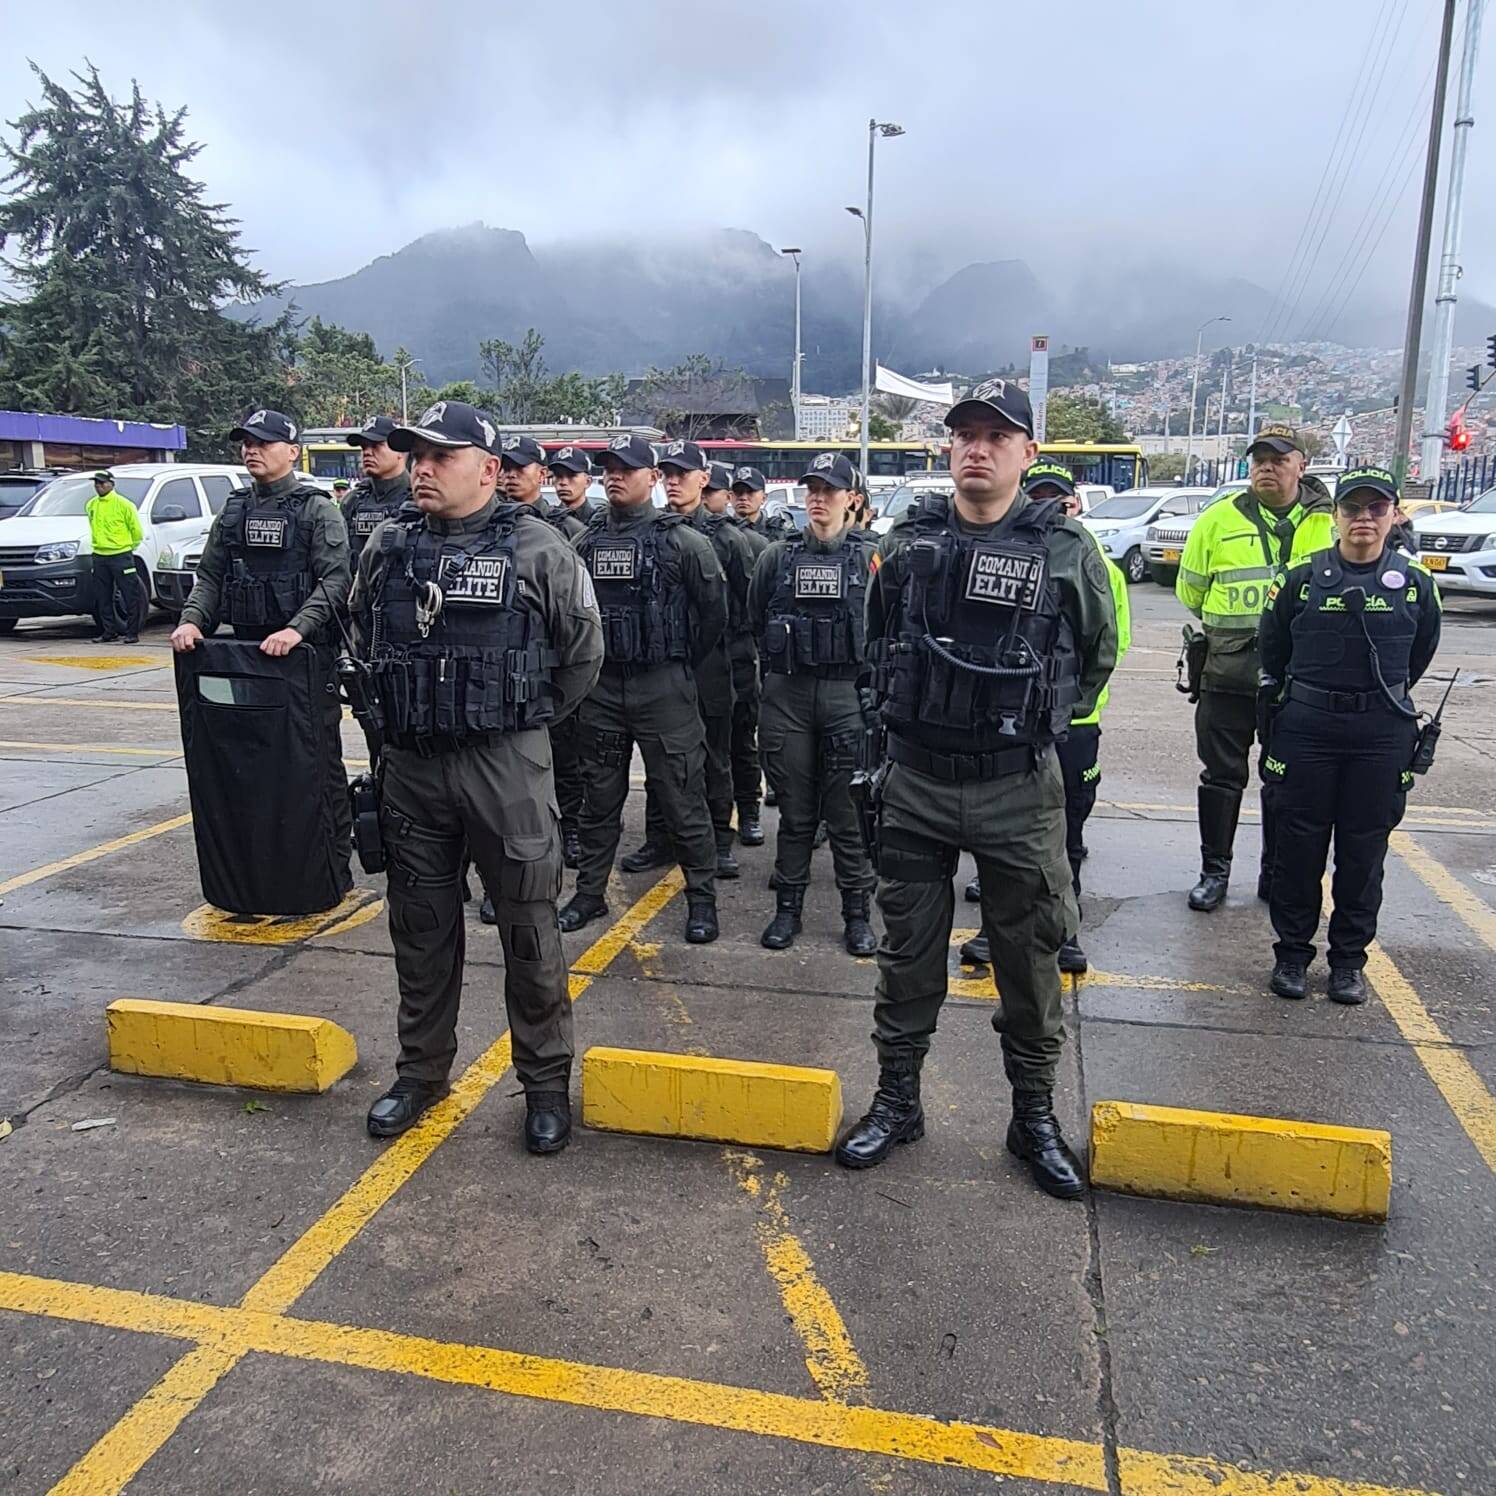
(1343, 637)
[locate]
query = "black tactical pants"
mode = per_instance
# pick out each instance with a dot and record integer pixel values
(1015, 827)
(747, 780)
(496, 800)
(657, 710)
(115, 582)
(810, 732)
(1343, 774)
(1078, 763)
(715, 700)
(568, 772)
(1225, 730)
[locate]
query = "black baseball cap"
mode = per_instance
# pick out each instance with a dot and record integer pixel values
(103, 476)
(832, 468)
(999, 397)
(686, 456)
(571, 459)
(719, 475)
(521, 450)
(1051, 473)
(1378, 480)
(449, 423)
(265, 426)
(375, 430)
(748, 477)
(1279, 438)
(631, 451)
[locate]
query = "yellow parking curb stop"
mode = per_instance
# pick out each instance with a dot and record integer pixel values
(719, 1101)
(228, 1046)
(1220, 1159)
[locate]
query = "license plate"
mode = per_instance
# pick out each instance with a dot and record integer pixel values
(1435, 563)
(1171, 555)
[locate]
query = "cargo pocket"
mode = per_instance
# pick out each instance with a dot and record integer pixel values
(1057, 916)
(532, 869)
(771, 753)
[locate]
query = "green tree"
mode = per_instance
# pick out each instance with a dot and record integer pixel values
(1074, 418)
(880, 428)
(122, 267)
(700, 396)
(524, 393)
(1166, 467)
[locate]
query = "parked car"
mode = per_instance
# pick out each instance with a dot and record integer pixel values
(1412, 508)
(1121, 522)
(1167, 534)
(19, 486)
(1460, 547)
(46, 556)
(897, 503)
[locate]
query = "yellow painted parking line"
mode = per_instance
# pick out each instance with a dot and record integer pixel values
(112, 750)
(207, 922)
(226, 1335)
(119, 1455)
(78, 859)
(1448, 889)
(1425, 815)
(90, 701)
(831, 1358)
(1142, 983)
(92, 662)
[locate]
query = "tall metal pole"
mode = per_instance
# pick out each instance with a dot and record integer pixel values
(1221, 424)
(1436, 402)
(1404, 429)
(404, 398)
(1189, 451)
(794, 254)
(1252, 402)
(867, 301)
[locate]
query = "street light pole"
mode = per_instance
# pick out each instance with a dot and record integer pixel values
(1189, 451)
(875, 128)
(794, 254)
(405, 368)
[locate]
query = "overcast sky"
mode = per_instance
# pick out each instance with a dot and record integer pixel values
(1068, 133)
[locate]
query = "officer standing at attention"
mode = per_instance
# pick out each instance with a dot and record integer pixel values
(522, 475)
(1234, 550)
(113, 532)
(742, 650)
(990, 624)
(686, 472)
(664, 606)
(748, 489)
(571, 476)
(1343, 637)
(275, 566)
(384, 487)
(808, 606)
(479, 628)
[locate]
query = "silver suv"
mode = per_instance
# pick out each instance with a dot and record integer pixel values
(1169, 531)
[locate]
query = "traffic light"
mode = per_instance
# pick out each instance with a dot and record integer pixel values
(1472, 377)
(1457, 438)
(1491, 350)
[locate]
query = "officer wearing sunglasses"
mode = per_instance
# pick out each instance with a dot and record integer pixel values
(1344, 636)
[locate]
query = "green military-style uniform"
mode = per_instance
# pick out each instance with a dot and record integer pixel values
(571, 523)
(370, 502)
(747, 693)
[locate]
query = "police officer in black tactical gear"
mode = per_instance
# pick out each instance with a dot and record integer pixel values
(686, 472)
(522, 478)
(275, 568)
(384, 488)
(664, 606)
(748, 489)
(571, 476)
(479, 628)
(1343, 637)
(808, 602)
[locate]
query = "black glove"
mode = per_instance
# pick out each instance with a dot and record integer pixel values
(1267, 709)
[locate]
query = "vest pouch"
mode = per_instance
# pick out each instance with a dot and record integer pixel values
(803, 628)
(779, 656)
(245, 597)
(445, 695)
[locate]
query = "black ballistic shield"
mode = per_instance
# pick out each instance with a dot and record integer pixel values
(258, 749)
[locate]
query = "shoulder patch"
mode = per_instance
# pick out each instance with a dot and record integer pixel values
(1093, 568)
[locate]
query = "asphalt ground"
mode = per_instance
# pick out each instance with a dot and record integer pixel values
(221, 1291)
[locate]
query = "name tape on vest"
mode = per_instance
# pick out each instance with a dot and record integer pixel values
(480, 582)
(269, 532)
(1010, 579)
(819, 581)
(365, 522)
(615, 563)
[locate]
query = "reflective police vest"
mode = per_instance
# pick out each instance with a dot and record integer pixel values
(269, 546)
(483, 663)
(814, 619)
(983, 646)
(366, 511)
(641, 591)
(1330, 651)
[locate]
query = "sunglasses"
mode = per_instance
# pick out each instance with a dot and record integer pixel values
(1376, 508)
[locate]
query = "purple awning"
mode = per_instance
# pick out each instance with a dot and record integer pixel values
(84, 431)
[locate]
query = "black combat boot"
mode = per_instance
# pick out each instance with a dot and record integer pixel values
(582, 910)
(1218, 811)
(701, 918)
(1347, 985)
(779, 934)
(977, 951)
(403, 1105)
(895, 1116)
(486, 911)
(727, 864)
(1072, 957)
(750, 828)
(547, 1121)
(571, 847)
(1034, 1136)
(645, 856)
(974, 891)
(1289, 979)
(770, 798)
(820, 838)
(857, 934)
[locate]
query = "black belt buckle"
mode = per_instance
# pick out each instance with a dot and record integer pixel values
(1345, 701)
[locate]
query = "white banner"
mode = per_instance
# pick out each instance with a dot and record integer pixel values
(911, 389)
(1039, 383)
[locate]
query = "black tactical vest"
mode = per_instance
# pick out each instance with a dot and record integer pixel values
(985, 656)
(641, 591)
(484, 663)
(714, 527)
(269, 545)
(814, 620)
(366, 511)
(1329, 645)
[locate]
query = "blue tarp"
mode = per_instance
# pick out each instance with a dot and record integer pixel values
(84, 431)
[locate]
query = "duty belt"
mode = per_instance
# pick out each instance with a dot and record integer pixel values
(1341, 701)
(435, 747)
(959, 768)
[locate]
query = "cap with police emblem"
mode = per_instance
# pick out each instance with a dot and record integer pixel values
(999, 397)
(449, 423)
(265, 426)
(1051, 475)
(1373, 479)
(570, 459)
(375, 430)
(338, 484)
(1278, 438)
(103, 476)
(631, 451)
(684, 455)
(748, 477)
(832, 468)
(521, 451)
(718, 475)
